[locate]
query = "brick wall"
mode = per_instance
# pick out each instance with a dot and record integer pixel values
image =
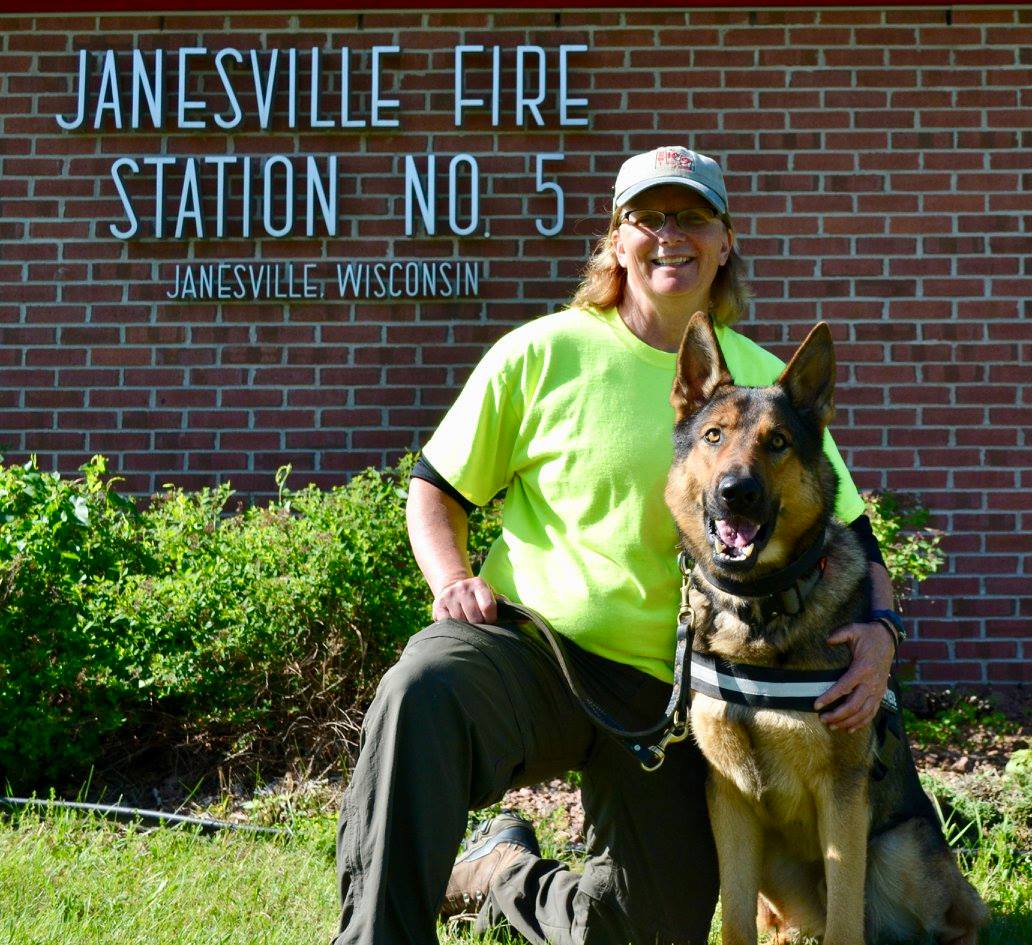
(879, 169)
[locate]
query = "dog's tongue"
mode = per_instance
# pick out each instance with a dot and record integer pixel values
(736, 533)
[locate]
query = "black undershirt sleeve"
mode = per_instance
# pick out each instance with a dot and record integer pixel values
(423, 470)
(861, 527)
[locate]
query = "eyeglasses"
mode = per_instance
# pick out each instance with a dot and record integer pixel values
(654, 220)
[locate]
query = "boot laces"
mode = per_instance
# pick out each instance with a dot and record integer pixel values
(476, 836)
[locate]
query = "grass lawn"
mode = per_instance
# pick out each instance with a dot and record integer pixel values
(74, 879)
(69, 878)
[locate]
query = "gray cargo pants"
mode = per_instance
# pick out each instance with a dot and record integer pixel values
(470, 711)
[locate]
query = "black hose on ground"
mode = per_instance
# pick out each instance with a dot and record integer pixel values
(207, 825)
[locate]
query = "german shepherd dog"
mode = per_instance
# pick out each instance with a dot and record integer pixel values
(824, 832)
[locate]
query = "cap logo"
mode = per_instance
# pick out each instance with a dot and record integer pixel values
(675, 158)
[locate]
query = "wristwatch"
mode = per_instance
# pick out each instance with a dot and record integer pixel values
(893, 622)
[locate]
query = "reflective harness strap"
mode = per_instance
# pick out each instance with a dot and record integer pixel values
(763, 687)
(766, 687)
(759, 686)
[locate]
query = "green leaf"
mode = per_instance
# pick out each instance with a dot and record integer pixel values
(81, 510)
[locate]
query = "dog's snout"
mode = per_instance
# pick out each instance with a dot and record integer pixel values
(741, 494)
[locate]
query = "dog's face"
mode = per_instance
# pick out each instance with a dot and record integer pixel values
(750, 484)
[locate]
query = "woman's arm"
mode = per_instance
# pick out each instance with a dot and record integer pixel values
(438, 532)
(874, 650)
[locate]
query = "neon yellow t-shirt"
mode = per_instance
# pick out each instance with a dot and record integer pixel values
(571, 414)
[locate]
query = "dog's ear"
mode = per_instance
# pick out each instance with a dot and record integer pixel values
(809, 379)
(700, 368)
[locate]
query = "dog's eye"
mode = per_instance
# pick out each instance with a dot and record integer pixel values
(778, 442)
(712, 435)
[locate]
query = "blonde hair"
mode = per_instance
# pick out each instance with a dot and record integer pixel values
(604, 280)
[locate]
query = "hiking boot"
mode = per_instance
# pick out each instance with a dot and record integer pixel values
(494, 844)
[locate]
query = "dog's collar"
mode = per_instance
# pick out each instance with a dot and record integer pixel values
(782, 592)
(765, 687)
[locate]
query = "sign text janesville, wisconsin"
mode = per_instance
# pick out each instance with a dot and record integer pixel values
(255, 196)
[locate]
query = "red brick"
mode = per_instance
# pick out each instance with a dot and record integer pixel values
(951, 36)
(762, 17)
(819, 78)
(1011, 672)
(976, 14)
(852, 58)
(763, 36)
(1008, 585)
(718, 18)
(1010, 628)
(1017, 77)
(952, 671)
(817, 36)
(754, 78)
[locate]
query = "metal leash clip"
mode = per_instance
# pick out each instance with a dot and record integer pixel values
(685, 562)
(684, 614)
(677, 732)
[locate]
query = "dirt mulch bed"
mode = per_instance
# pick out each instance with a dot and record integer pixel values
(981, 745)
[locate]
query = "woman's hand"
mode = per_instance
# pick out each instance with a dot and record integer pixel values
(470, 599)
(438, 531)
(866, 679)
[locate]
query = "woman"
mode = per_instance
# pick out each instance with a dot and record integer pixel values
(570, 414)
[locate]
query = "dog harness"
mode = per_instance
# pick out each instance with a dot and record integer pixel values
(764, 687)
(784, 592)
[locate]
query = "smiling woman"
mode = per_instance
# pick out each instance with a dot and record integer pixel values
(670, 267)
(605, 276)
(571, 416)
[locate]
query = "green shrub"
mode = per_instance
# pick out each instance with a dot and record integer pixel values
(257, 634)
(910, 548)
(261, 632)
(264, 632)
(61, 674)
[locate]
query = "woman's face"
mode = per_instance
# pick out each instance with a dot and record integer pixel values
(671, 264)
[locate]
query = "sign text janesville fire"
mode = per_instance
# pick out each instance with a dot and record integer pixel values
(171, 196)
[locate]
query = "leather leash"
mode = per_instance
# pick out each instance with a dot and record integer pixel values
(648, 745)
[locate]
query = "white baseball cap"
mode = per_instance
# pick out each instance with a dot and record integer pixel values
(671, 165)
